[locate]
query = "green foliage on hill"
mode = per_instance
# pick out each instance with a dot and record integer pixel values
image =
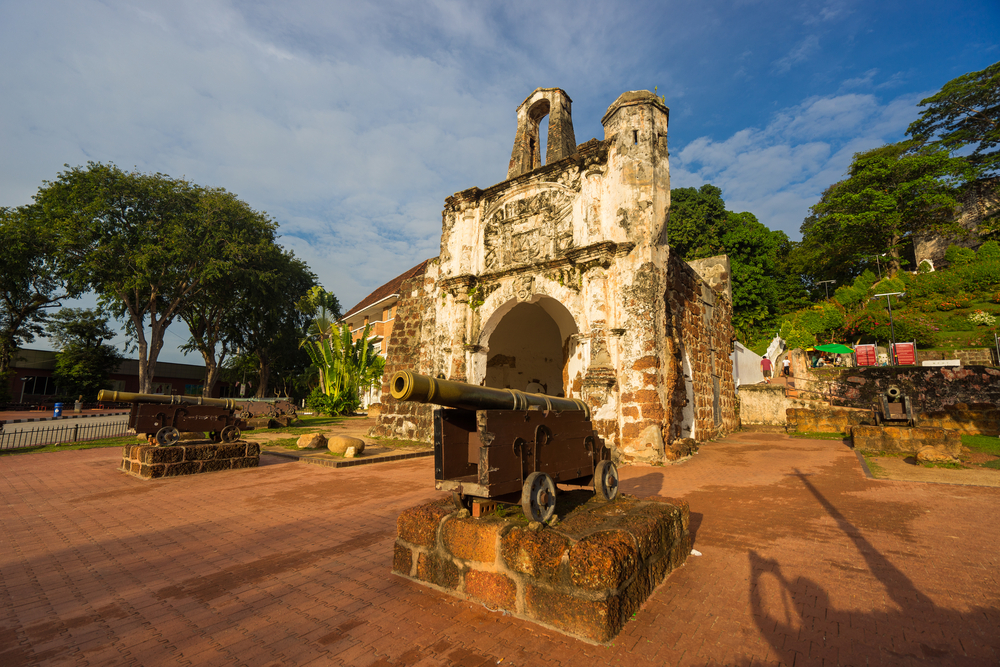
(955, 307)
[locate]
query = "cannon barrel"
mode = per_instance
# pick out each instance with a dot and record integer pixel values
(129, 397)
(409, 386)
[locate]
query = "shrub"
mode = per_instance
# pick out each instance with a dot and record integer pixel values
(959, 256)
(995, 298)
(982, 318)
(988, 252)
(925, 267)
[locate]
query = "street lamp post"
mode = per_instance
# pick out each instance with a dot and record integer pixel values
(892, 331)
(826, 285)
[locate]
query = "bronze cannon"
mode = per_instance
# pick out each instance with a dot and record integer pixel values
(161, 418)
(508, 445)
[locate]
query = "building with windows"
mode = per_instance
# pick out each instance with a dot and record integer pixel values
(379, 310)
(32, 380)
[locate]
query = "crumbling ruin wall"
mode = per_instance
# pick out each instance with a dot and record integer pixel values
(410, 348)
(559, 280)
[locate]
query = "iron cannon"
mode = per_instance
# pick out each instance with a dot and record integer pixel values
(162, 418)
(508, 445)
(893, 408)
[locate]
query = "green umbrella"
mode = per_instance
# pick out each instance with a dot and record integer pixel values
(834, 348)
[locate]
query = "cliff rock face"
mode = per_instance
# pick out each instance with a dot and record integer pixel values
(560, 281)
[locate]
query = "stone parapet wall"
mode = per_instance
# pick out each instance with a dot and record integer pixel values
(767, 405)
(966, 419)
(973, 356)
(826, 420)
(905, 440)
(585, 576)
(930, 389)
(150, 462)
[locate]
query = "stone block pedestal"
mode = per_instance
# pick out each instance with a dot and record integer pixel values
(149, 462)
(585, 576)
(905, 439)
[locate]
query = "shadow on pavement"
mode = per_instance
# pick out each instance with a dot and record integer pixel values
(803, 628)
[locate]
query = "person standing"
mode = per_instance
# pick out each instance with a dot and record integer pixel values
(786, 367)
(765, 367)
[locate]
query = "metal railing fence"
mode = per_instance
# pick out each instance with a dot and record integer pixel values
(47, 435)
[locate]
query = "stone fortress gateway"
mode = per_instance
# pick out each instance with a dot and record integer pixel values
(559, 280)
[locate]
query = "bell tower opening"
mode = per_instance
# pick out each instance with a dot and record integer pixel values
(554, 107)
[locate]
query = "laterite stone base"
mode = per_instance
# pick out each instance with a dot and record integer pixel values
(585, 576)
(148, 462)
(904, 439)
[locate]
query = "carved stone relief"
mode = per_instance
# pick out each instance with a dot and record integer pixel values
(528, 228)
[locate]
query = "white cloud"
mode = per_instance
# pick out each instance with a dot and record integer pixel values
(802, 52)
(779, 171)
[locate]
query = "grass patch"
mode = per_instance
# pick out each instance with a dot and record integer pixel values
(400, 444)
(987, 444)
(877, 471)
(994, 464)
(818, 436)
(954, 465)
(90, 444)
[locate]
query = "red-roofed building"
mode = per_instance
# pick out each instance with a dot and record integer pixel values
(379, 310)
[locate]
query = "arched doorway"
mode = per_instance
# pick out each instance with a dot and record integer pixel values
(528, 346)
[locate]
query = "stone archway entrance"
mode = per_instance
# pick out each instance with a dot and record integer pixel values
(528, 347)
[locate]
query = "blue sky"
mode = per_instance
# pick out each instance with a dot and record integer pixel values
(350, 123)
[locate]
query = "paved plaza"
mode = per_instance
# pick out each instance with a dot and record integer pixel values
(804, 561)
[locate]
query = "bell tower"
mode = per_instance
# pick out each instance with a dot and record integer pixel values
(527, 153)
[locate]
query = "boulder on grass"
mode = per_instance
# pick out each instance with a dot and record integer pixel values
(311, 441)
(933, 454)
(338, 444)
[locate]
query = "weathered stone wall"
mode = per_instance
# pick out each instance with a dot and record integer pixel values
(767, 404)
(578, 248)
(826, 420)
(979, 201)
(410, 348)
(905, 440)
(930, 389)
(976, 356)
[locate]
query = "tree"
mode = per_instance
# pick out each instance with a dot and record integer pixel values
(268, 326)
(965, 112)
(699, 226)
(209, 312)
(84, 360)
(891, 193)
(140, 241)
(30, 283)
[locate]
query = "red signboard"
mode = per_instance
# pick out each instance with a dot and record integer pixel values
(866, 355)
(905, 353)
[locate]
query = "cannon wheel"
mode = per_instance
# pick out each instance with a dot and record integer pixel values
(230, 434)
(538, 497)
(606, 480)
(167, 436)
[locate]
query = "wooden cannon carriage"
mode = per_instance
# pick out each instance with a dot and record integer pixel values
(508, 445)
(162, 418)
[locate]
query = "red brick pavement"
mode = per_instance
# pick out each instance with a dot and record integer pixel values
(805, 562)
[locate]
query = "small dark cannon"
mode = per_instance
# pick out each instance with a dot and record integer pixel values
(162, 418)
(893, 409)
(507, 445)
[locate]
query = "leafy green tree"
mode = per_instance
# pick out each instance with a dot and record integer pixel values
(245, 268)
(965, 113)
(267, 326)
(699, 226)
(891, 194)
(30, 283)
(143, 242)
(84, 360)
